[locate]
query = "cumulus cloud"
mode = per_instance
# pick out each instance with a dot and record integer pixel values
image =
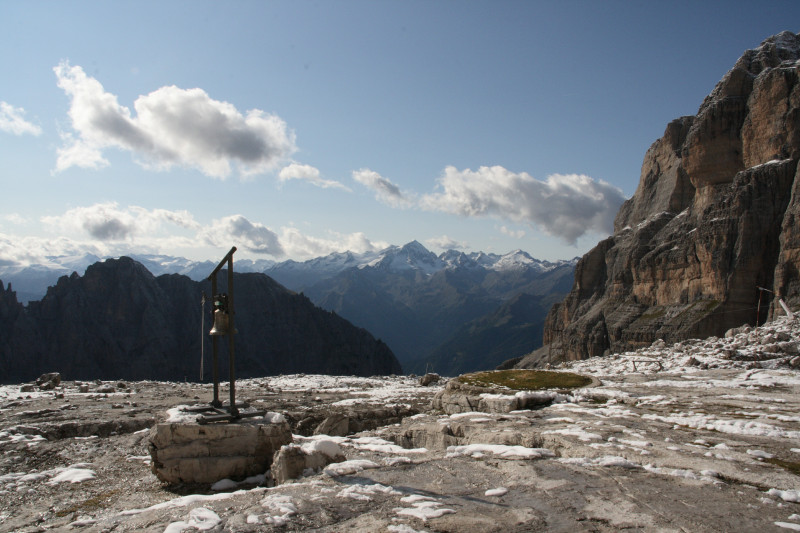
(12, 121)
(385, 191)
(301, 246)
(296, 171)
(172, 126)
(242, 233)
(446, 243)
(27, 250)
(111, 230)
(109, 222)
(567, 206)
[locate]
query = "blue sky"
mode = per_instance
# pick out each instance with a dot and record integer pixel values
(296, 129)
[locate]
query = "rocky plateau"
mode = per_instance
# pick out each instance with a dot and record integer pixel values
(697, 436)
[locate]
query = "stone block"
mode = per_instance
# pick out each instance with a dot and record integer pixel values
(188, 452)
(292, 460)
(336, 425)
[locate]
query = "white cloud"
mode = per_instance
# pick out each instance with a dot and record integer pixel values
(12, 121)
(77, 153)
(300, 246)
(20, 251)
(236, 230)
(446, 243)
(296, 171)
(518, 234)
(172, 126)
(385, 191)
(109, 230)
(107, 222)
(567, 206)
(14, 218)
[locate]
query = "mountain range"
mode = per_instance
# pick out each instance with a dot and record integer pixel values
(119, 321)
(449, 313)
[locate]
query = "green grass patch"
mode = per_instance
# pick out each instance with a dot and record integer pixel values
(95, 503)
(525, 379)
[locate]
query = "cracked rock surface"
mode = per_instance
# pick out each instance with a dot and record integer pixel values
(709, 445)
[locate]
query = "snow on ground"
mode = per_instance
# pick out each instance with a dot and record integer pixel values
(774, 345)
(481, 450)
(199, 518)
(382, 390)
(718, 408)
(19, 481)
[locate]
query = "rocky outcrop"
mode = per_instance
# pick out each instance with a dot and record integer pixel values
(714, 219)
(118, 321)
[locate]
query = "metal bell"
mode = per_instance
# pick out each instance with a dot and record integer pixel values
(221, 318)
(220, 323)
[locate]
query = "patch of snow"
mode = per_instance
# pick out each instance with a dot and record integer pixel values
(499, 491)
(615, 460)
(200, 518)
(374, 444)
(736, 427)
(574, 432)
(365, 492)
(184, 501)
(82, 521)
(73, 475)
(501, 450)
(560, 419)
(792, 496)
(349, 467)
(224, 484)
(326, 447)
(280, 509)
(470, 414)
(705, 475)
(424, 510)
(414, 498)
(395, 461)
(760, 454)
(402, 528)
(605, 460)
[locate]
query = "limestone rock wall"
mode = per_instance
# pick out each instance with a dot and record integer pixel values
(715, 217)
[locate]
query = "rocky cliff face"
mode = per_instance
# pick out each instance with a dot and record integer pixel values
(118, 321)
(714, 218)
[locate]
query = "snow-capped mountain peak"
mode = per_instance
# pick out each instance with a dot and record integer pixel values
(412, 256)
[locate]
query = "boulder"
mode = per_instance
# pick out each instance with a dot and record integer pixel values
(49, 381)
(429, 379)
(336, 425)
(188, 452)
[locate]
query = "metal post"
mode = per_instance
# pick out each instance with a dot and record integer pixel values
(215, 351)
(202, 336)
(231, 331)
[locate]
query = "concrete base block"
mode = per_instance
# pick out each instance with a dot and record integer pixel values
(188, 452)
